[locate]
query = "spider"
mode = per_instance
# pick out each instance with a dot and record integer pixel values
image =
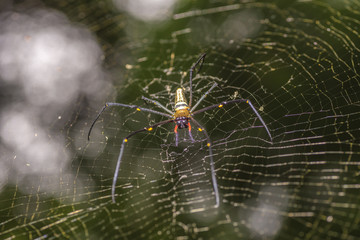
(182, 116)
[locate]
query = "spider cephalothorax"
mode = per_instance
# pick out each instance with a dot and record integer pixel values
(182, 115)
(182, 122)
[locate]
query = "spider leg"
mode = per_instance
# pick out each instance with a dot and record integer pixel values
(125, 140)
(220, 105)
(203, 96)
(190, 135)
(213, 174)
(109, 104)
(157, 104)
(176, 135)
(201, 59)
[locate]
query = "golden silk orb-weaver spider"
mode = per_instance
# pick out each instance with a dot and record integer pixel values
(182, 116)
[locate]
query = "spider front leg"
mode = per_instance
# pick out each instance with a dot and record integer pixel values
(188, 125)
(125, 140)
(212, 165)
(190, 135)
(176, 135)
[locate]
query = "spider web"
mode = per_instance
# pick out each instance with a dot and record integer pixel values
(296, 61)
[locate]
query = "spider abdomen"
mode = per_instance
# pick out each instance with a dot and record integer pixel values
(181, 106)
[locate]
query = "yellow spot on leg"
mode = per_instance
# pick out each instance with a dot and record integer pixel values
(138, 109)
(125, 140)
(220, 106)
(247, 101)
(200, 129)
(208, 144)
(149, 129)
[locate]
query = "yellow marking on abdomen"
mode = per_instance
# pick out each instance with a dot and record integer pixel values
(180, 96)
(181, 106)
